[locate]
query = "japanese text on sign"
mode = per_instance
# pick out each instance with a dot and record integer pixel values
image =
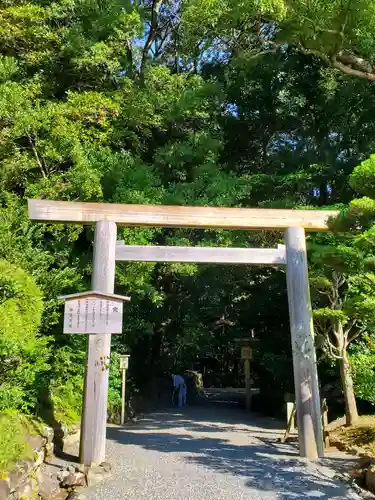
(93, 315)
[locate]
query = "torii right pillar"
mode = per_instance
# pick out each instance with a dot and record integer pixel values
(309, 420)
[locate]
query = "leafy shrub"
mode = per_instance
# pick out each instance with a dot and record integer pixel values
(66, 384)
(362, 360)
(23, 354)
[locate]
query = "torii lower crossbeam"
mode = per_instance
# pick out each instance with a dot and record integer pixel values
(201, 255)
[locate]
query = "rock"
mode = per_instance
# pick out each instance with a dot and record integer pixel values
(79, 493)
(48, 487)
(36, 442)
(62, 475)
(71, 439)
(15, 477)
(75, 428)
(75, 495)
(64, 429)
(81, 468)
(61, 495)
(22, 469)
(34, 487)
(370, 478)
(71, 468)
(49, 449)
(97, 474)
(4, 489)
(74, 479)
(39, 457)
(48, 434)
(22, 483)
(106, 466)
(25, 490)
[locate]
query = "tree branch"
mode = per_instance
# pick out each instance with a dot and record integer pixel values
(153, 31)
(347, 63)
(161, 43)
(332, 348)
(262, 53)
(341, 281)
(348, 70)
(355, 335)
(40, 164)
(313, 52)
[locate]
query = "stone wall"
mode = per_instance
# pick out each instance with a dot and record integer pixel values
(26, 480)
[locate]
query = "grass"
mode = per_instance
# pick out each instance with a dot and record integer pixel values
(361, 435)
(13, 444)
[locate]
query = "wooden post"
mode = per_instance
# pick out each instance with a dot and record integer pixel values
(247, 355)
(309, 419)
(290, 423)
(325, 423)
(94, 415)
(289, 411)
(247, 383)
(123, 394)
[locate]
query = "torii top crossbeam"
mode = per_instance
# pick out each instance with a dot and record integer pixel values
(179, 216)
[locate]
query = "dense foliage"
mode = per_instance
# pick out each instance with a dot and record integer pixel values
(204, 102)
(22, 351)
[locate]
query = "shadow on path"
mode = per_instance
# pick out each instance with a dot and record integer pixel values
(243, 446)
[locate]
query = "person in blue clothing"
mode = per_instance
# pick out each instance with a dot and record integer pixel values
(179, 389)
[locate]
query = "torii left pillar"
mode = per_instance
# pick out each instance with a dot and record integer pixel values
(94, 415)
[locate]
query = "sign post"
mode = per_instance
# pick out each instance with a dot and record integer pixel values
(124, 364)
(97, 313)
(247, 356)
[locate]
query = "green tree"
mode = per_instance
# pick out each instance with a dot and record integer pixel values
(200, 102)
(339, 33)
(343, 301)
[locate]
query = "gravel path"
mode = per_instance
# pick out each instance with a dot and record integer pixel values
(211, 454)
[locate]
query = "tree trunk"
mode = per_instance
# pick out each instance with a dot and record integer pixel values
(351, 411)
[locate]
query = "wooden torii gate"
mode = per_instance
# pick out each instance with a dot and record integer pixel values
(106, 217)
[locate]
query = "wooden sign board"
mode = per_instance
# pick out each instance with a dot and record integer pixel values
(93, 315)
(246, 353)
(124, 362)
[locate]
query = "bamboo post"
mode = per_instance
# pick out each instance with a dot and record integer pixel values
(124, 364)
(290, 423)
(123, 394)
(247, 383)
(325, 423)
(309, 420)
(94, 415)
(290, 409)
(246, 356)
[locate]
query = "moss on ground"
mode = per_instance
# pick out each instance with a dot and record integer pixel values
(361, 435)
(14, 428)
